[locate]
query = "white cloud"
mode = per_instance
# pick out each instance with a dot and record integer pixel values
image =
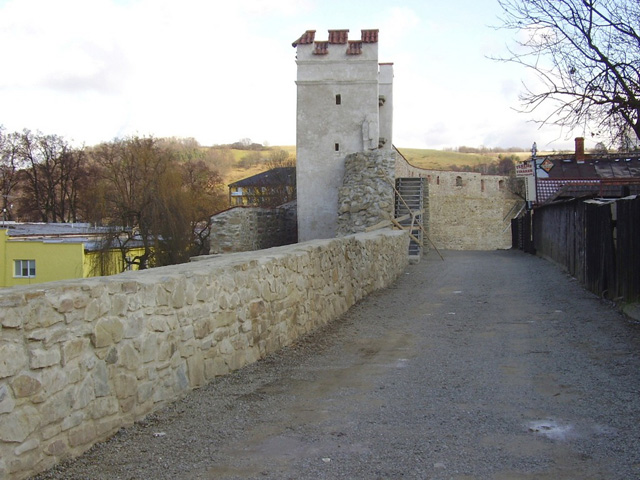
(221, 71)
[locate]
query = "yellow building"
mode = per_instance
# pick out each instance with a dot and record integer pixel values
(39, 252)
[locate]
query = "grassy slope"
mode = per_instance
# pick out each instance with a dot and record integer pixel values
(423, 158)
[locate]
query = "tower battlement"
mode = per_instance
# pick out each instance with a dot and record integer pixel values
(337, 37)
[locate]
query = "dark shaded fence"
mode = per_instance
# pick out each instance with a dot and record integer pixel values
(598, 242)
(521, 233)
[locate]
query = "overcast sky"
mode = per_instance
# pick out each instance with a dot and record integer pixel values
(220, 71)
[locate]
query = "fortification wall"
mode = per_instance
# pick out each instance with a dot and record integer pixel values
(366, 196)
(80, 359)
(467, 211)
(242, 229)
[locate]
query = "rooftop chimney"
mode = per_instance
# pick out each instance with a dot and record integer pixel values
(579, 149)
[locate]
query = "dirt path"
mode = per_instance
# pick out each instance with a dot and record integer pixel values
(489, 365)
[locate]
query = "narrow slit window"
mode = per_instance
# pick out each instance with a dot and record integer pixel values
(338, 99)
(336, 147)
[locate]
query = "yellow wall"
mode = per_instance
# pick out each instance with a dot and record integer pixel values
(3, 256)
(54, 261)
(113, 265)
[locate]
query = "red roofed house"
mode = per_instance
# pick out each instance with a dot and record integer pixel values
(580, 174)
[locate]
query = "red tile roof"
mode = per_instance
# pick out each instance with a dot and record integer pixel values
(370, 36)
(322, 48)
(354, 48)
(338, 36)
(306, 38)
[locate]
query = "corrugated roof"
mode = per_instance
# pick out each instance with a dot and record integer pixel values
(52, 229)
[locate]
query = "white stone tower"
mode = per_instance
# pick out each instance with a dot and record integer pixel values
(345, 105)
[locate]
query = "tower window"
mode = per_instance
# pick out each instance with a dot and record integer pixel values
(338, 99)
(336, 147)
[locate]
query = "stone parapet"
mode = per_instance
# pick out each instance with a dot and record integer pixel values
(80, 359)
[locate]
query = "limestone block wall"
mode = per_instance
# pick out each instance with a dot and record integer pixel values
(80, 359)
(242, 229)
(467, 211)
(366, 196)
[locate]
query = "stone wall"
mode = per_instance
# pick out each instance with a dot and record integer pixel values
(467, 211)
(80, 359)
(243, 229)
(366, 196)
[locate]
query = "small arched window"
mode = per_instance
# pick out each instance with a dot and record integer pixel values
(458, 181)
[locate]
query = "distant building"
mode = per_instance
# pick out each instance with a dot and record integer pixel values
(580, 174)
(267, 189)
(43, 252)
(344, 106)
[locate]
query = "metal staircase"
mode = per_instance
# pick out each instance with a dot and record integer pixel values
(409, 200)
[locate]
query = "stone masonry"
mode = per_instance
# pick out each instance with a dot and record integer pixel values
(80, 359)
(242, 229)
(366, 196)
(466, 211)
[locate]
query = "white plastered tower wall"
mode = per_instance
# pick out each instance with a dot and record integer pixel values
(339, 88)
(386, 105)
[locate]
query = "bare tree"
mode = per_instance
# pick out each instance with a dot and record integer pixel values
(9, 167)
(53, 172)
(586, 54)
(154, 201)
(130, 170)
(204, 190)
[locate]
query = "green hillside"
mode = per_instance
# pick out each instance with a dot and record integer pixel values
(420, 157)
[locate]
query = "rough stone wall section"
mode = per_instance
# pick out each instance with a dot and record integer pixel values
(366, 196)
(80, 359)
(243, 229)
(467, 211)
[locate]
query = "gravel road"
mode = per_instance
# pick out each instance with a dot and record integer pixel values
(488, 365)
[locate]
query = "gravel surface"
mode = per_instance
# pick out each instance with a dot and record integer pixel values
(488, 365)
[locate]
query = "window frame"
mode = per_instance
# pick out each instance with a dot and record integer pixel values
(19, 268)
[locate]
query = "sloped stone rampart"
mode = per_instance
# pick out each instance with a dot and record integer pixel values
(366, 196)
(81, 359)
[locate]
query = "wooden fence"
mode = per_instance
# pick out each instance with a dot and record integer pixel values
(596, 241)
